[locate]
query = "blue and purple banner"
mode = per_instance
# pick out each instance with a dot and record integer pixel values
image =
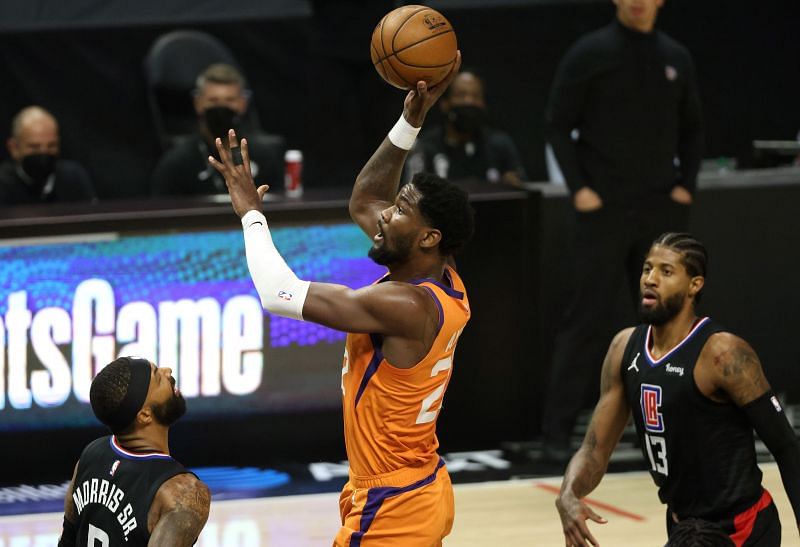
(182, 300)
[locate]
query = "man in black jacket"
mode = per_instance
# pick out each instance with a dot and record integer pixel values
(625, 125)
(465, 147)
(221, 100)
(36, 173)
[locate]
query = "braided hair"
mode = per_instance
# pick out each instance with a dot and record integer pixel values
(694, 256)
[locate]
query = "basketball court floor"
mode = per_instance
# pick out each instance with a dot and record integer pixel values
(502, 514)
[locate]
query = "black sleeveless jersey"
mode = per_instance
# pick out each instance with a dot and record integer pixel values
(701, 453)
(113, 492)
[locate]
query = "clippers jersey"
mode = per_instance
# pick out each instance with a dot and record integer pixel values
(113, 491)
(701, 453)
(390, 413)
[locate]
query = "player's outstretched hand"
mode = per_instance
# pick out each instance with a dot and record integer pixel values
(420, 100)
(574, 513)
(234, 166)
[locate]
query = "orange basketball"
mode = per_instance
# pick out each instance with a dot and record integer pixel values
(413, 43)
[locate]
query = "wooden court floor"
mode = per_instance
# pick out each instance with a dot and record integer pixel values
(497, 514)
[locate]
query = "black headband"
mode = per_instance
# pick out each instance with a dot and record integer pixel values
(135, 396)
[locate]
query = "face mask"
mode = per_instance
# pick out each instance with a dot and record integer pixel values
(467, 118)
(39, 166)
(219, 119)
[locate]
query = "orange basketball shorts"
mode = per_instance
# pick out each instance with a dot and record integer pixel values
(419, 514)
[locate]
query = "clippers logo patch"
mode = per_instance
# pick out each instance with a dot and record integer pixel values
(283, 295)
(650, 400)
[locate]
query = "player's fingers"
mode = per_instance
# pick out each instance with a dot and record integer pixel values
(453, 72)
(245, 151)
(576, 539)
(235, 149)
(456, 65)
(217, 165)
(422, 88)
(262, 190)
(585, 533)
(594, 516)
(224, 153)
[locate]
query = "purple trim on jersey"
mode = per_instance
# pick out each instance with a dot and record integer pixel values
(372, 368)
(376, 496)
(133, 455)
(449, 290)
(438, 305)
(649, 334)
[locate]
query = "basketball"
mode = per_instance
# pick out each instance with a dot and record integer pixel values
(413, 43)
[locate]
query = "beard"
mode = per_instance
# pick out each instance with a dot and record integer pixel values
(168, 412)
(385, 256)
(662, 313)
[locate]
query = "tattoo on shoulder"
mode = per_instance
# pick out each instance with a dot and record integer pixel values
(186, 511)
(189, 492)
(740, 370)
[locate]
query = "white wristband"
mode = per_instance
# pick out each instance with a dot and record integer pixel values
(403, 134)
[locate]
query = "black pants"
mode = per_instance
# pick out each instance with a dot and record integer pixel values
(761, 529)
(611, 243)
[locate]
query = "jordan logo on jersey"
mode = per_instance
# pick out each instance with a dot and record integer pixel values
(633, 363)
(650, 400)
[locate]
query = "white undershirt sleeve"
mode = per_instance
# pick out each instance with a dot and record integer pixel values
(281, 292)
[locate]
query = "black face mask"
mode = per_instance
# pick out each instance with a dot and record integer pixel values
(39, 166)
(219, 119)
(467, 118)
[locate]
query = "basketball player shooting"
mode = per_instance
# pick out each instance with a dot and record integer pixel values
(402, 330)
(697, 392)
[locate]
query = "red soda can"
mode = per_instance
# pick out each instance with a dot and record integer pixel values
(293, 177)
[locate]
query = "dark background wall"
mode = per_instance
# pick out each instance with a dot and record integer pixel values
(309, 70)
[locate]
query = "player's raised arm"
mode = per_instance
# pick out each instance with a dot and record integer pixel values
(179, 511)
(738, 373)
(590, 462)
(388, 308)
(376, 184)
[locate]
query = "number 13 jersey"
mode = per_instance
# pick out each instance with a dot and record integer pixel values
(390, 413)
(700, 452)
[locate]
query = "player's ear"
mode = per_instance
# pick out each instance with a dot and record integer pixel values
(696, 285)
(145, 415)
(430, 238)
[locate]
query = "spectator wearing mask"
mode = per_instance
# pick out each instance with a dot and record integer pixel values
(464, 147)
(36, 173)
(221, 101)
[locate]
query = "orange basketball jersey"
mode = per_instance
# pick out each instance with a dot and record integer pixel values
(390, 413)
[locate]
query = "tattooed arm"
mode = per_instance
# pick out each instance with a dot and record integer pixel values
(179, 511)
(589, 463)
(737, 373)
(377, 183)
(736, 369)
